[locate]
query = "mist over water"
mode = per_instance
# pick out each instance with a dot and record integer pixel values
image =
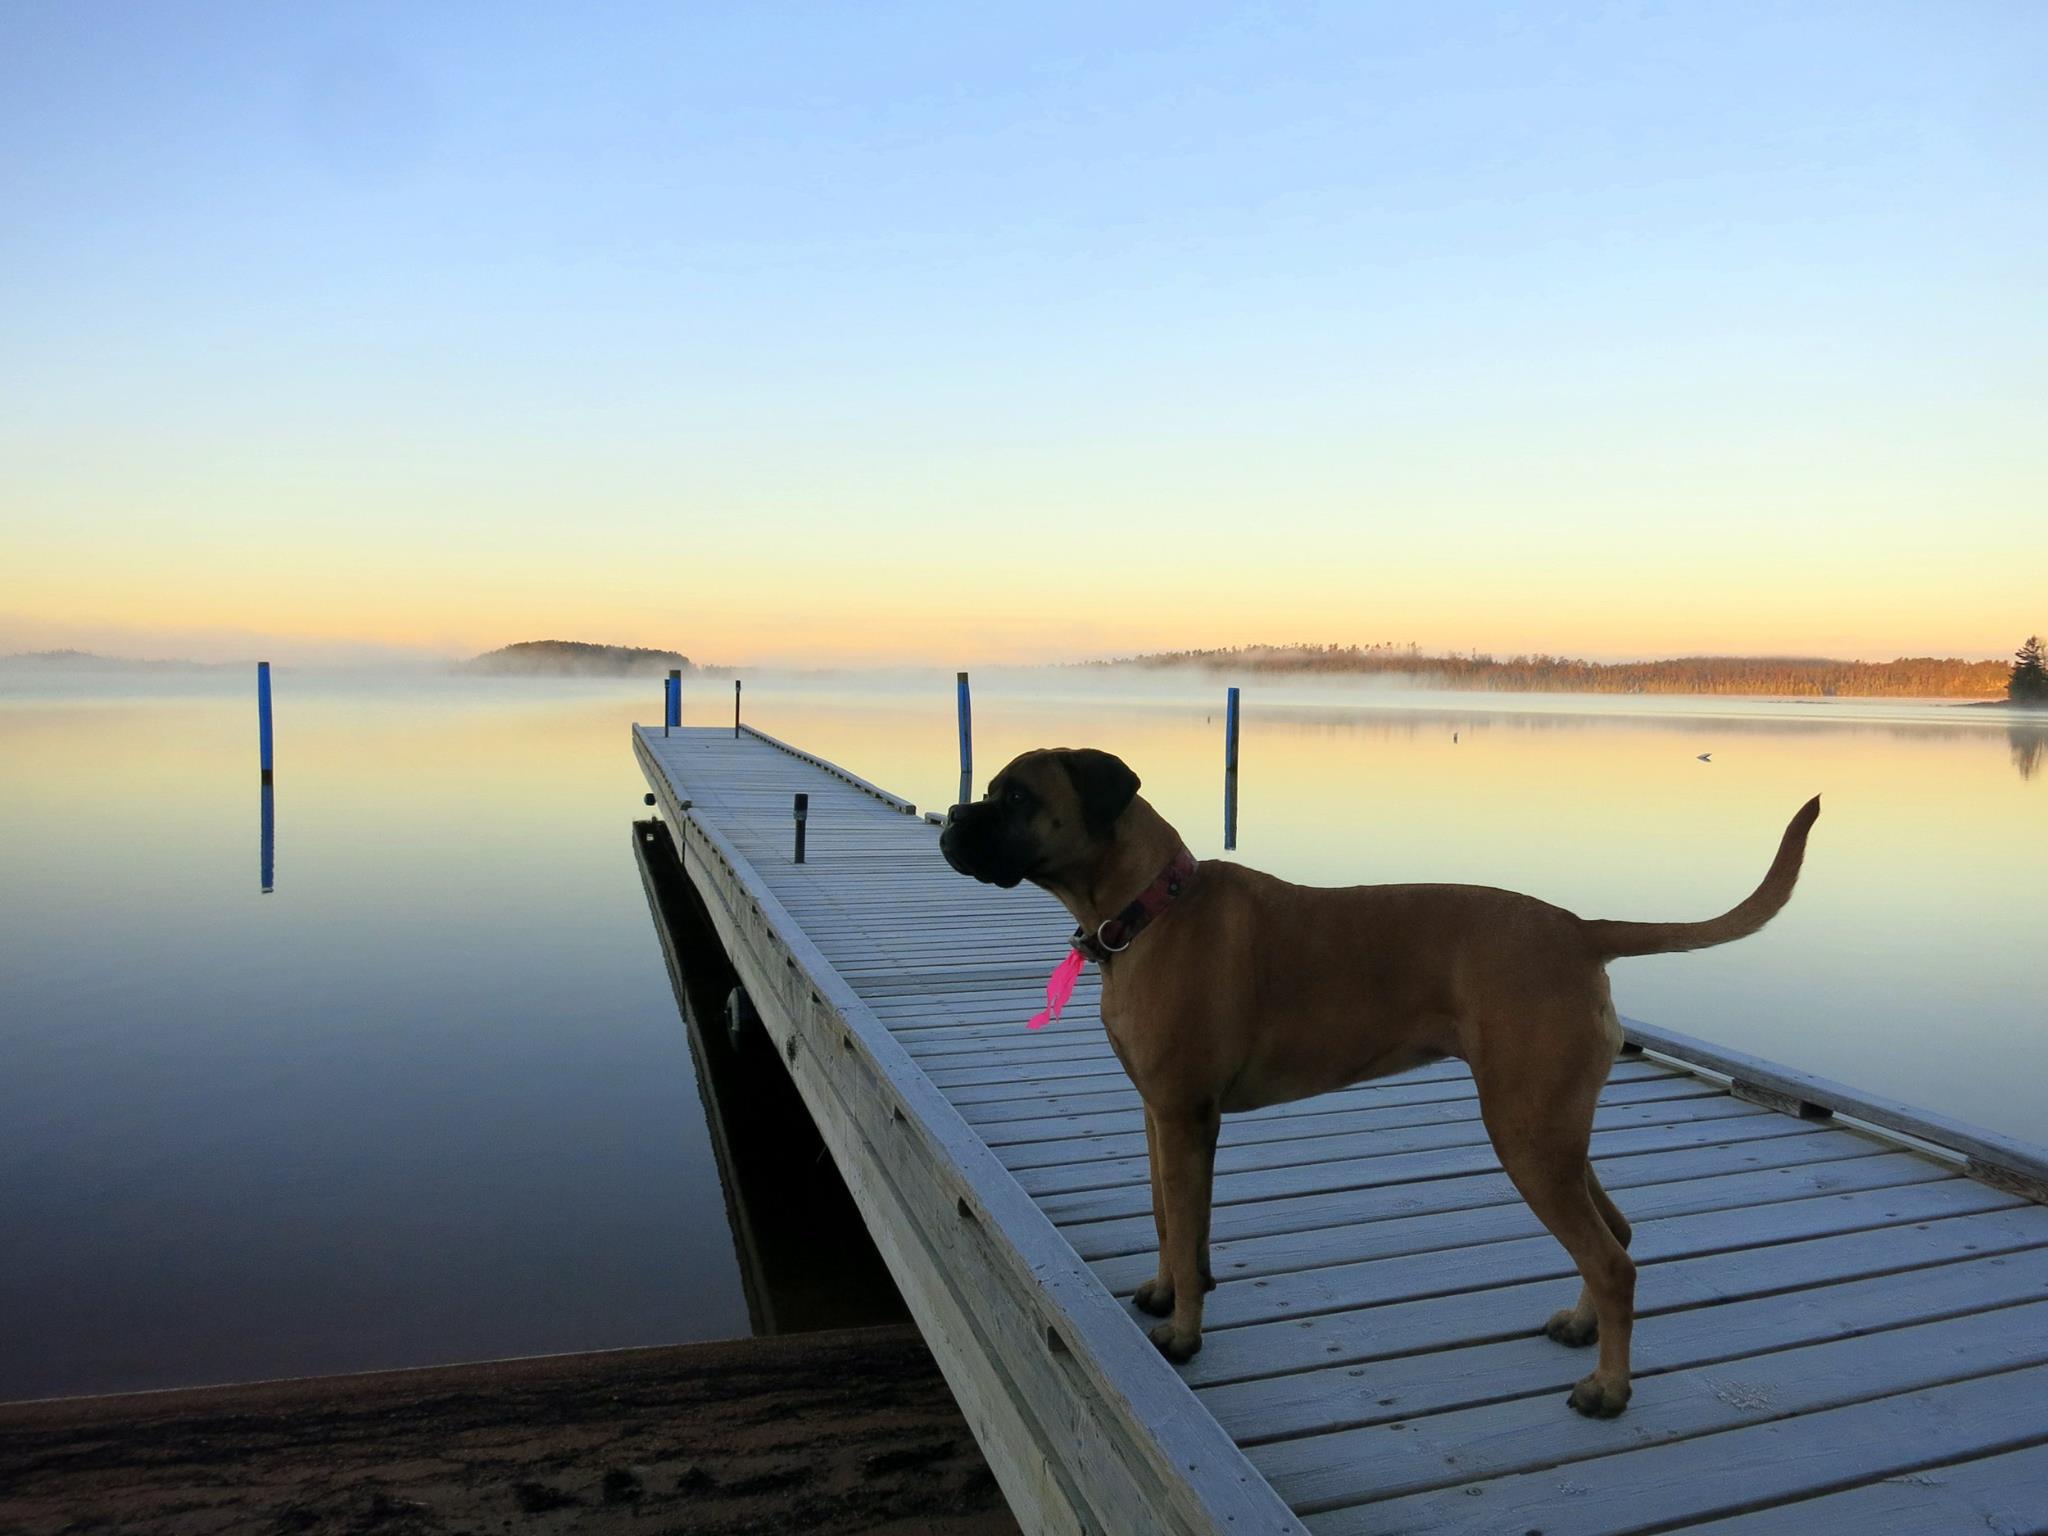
(431, 1100)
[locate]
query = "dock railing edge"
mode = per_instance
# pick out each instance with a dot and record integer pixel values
(837, 772)
(2005, 1161)
(1165, 1463)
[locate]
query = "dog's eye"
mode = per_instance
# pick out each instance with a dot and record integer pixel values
(1015, 797)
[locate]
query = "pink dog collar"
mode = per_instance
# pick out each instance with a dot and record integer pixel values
(1113, 935)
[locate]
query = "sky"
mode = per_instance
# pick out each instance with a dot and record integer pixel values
(881, 333)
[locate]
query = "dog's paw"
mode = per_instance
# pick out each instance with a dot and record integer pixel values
(1173, 1346)
(1598, 1399)
(1156, 1297)
(1567, 1328)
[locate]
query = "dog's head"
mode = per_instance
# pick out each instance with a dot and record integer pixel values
(1047, 812)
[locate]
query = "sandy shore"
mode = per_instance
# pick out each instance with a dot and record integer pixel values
(831, 1432)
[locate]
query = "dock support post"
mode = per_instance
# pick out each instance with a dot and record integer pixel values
(672, 700)
(802, 811)
(1230, 771)
(263, 716)
(966, 741)
(735, 709)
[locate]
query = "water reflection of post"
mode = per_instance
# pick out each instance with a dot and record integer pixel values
(1230, 772)
(805, 1258)
(269, 854)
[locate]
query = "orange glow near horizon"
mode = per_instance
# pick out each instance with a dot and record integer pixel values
(1017, 603)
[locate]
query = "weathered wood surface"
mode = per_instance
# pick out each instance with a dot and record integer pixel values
(1838, 1329)
(1805, 1092)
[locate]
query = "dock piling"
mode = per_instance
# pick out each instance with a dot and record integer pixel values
(735, 709)
(672, 701)
(802, 812)
(966, 710)
(1230, 771)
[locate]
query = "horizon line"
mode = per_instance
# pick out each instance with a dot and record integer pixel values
(383, 655)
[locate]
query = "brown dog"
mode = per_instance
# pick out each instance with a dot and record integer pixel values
(1243, 990)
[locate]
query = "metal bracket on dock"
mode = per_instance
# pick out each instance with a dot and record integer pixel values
(1784, 1103)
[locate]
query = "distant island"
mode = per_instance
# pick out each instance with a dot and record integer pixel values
(575, 658)
(1912, 677)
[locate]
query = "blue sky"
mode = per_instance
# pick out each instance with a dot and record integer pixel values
(1635, 330)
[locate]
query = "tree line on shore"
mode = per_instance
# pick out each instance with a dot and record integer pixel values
(2028, 681)
(1919, 677)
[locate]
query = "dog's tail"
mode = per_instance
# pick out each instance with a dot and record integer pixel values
(1611, 941)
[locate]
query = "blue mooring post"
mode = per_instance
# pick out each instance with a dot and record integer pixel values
(267, 819)
(263, 716)
(1230, 771)
(966, 741)
(802, 812)
(672, 700)
(735, 709)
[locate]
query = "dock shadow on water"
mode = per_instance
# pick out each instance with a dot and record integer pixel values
(806, 1260)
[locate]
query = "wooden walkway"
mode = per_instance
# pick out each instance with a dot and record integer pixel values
(1840, 1329)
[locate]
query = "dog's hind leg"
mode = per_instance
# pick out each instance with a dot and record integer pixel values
(1563, 1203)
(1541, 1132)
(1580, 1324)
(1610, 1213)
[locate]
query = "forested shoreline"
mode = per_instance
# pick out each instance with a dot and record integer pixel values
(1918, 677)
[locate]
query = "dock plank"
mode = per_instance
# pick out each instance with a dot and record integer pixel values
(1324, 1209)
(1525, 1434)
(1328, 1286)
(1272, 1408)
(1391, 1235)
(1648, 1486)
(1401, 1326)
(1999, 1495)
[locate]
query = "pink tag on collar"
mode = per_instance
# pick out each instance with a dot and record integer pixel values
(1059, 989)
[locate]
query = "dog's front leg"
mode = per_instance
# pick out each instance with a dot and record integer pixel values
(1184, 1167)
(1156, 1295)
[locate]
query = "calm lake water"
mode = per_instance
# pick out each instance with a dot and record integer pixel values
(431, 1099)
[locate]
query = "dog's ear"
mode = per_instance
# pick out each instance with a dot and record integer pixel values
(1105, 784)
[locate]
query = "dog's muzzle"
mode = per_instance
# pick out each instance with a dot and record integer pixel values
(969, 840)
(949, 841)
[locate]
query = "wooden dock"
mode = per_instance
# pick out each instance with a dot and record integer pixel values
(1843, 1323)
